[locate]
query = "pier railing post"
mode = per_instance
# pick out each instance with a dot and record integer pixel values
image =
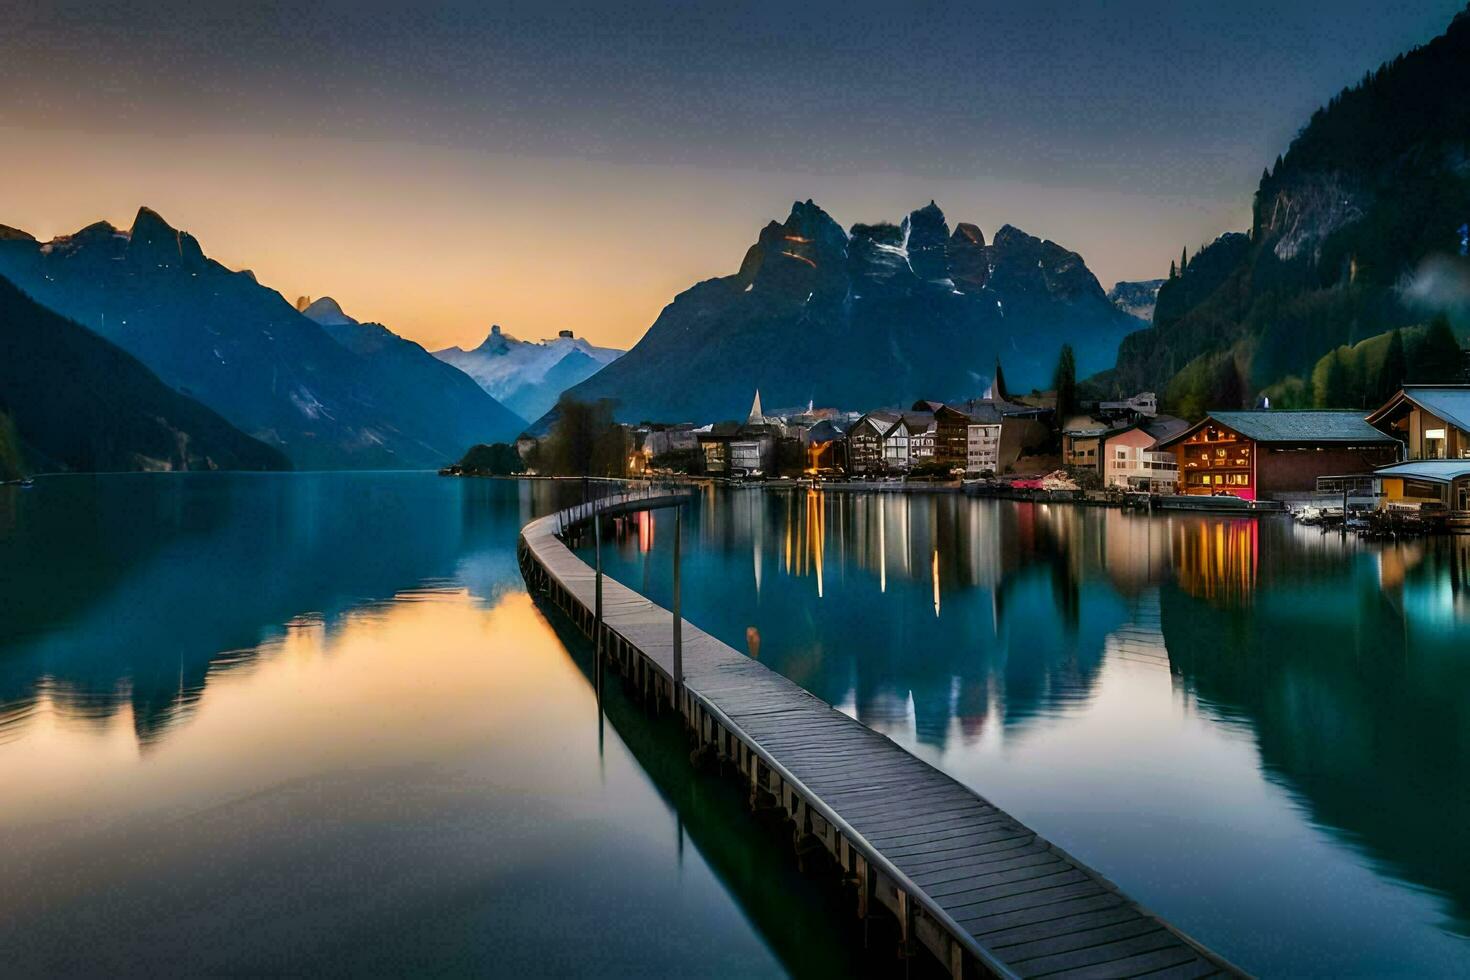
(678, 618)
(597, 611)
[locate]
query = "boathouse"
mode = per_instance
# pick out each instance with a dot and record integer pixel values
(1433, 424)
(1436, 482)
(1432, 421)
(1258, 455)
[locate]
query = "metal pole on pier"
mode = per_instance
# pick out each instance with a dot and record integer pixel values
(678, 617)
(597, 613)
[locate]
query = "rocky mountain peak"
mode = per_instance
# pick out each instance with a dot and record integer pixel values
(496, 341)
(1136, 298)
(802, 259)
(969, 261)
(9, 234)
(927, 235)
(149, 227)
(153, 240)
(325, 311)
(1025, 263)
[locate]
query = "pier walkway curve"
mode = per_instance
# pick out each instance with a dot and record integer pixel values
(965, 880)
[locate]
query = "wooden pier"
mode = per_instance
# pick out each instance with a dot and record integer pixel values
(962, 878)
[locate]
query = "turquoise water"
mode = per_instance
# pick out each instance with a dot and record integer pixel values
(1260, 731)
(312, 723)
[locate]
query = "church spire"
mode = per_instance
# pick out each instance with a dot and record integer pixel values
(756, 415)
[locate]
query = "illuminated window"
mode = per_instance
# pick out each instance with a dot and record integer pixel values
(1434, 444)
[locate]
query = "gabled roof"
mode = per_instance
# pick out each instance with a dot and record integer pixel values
(1269, 425)
(1163, 427)
(1449, 402)
(720, 430)
(881, 421)
(1443, 470)
(988, 411)
(825, 431)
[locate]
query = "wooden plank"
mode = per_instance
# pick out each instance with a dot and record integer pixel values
(974, 840)
(1066, 925)
(1036, 949)
(1021, 872)
(1192, 970)
(1085, 888)
(943, 865)
(1040, 885)
(1132, 966)
(980, 925)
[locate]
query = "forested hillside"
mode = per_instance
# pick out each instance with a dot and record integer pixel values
(1360, 228)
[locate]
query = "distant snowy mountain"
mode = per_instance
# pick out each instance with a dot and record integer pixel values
(528, 377)
(1136, 298)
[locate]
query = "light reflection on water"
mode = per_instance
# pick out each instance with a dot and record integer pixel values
(1259, 730)
(313, 723)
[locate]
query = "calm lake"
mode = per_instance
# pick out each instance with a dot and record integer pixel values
(313, 723)
(1259, 731)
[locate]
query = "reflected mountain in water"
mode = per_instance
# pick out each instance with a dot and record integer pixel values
(1352, 669)
(842, 587)
(950, 621)
(100, 574)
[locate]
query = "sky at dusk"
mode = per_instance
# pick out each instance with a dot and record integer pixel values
(548, 165)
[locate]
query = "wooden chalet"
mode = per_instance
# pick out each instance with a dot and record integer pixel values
(1257, 454)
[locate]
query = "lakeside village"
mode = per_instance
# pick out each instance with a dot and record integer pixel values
(1403, 468)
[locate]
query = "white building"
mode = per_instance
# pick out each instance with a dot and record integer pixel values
(982, 449)
(1139, 468)
(1143, 403)
(746, 456)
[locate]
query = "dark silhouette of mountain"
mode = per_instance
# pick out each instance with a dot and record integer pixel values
(408, 375)
(1359, 228)
(12, 466)
(77, 402)
(240, 348)
(884, 315)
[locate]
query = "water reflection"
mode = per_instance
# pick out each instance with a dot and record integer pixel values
(313, 724)
(990, 636)
(131, 591)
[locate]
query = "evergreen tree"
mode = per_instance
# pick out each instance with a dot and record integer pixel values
(1394, 370)
(1065, 383)
(1173, 270)
(1227, 391)
(572, 447)
(1333, 391)
(1437, 358)
(1183, 259)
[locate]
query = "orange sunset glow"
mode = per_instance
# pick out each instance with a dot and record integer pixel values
(438, 244)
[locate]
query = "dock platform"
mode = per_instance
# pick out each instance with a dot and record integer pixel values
(962, 878)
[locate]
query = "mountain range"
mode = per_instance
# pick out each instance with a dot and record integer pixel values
(338, 395)
(1137, 299)
(1361, 227)
(873, 315)
(72, 401)
(527, 377)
